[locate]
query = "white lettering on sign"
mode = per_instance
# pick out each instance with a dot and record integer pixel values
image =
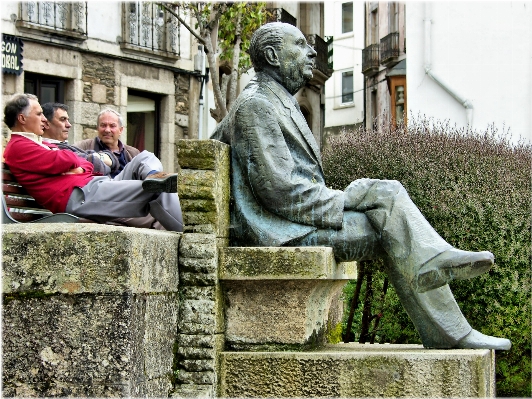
(9, 47)
(10, 62)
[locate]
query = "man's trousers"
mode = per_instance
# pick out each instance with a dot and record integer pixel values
(104, 199)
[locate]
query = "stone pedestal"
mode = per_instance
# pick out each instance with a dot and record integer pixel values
(281, 298)
(359, 371)
(89, 310)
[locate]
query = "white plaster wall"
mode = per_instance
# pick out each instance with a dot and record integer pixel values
(483, 51)
(347, 55)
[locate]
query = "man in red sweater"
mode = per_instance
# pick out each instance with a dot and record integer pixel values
(63, 182)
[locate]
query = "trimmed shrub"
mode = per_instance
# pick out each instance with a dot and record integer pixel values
(475, 189)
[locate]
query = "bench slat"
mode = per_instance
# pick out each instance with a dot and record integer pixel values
(20, 202)
(23, 208)
(12, 189)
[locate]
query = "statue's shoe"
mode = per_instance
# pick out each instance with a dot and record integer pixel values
(453, 264)
(477, 340)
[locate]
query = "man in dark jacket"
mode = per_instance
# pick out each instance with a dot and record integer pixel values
(280, 197)
(110, 125)
(56, 131)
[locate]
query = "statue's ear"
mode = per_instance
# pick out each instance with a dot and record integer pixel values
(270, 55)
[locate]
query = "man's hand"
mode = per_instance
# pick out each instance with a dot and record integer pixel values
(75, 171)
(106, 159)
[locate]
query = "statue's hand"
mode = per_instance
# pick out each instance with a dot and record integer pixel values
(355, 193)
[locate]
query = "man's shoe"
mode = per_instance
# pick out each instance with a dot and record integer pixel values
(477, 340)
(160, 182)
(453, 264)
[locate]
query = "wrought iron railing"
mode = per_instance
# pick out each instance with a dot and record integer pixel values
(149, 27)
(322, 50)
(68, 19)
(389, 47)
(281, 15)
(370, 58)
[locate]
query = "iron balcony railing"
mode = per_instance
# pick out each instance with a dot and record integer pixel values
(370, 59)
(281, 15)
(149, 27)
(322, 57)
(56, 17)
(389, 47)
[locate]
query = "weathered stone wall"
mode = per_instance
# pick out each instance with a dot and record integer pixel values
(98, 74)
(204, 195)
(182, 106)
(88, 310)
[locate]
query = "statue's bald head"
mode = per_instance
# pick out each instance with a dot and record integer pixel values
(270, 34)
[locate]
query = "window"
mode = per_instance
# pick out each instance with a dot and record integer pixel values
(149, 27)
(398, 97)
(347, 87)
(46, 88)
(347, 17)
(54, 17)
(143, 122)
(393, 17)
(374, 26)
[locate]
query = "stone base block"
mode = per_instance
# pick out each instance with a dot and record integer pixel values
(284, 298)
(356, 370)
(88, 310)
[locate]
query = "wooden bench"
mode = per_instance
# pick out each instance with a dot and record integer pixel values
(20, 207)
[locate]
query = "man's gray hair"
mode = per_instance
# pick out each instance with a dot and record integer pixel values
(270, 34)
(19, 104)
(112, 111)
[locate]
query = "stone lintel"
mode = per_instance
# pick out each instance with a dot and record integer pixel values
(358, 370)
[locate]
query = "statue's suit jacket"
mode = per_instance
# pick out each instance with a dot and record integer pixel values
(278, 195)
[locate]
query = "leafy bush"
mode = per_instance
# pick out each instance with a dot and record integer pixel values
(475, 189)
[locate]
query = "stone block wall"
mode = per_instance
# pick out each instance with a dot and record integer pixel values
(88, 310)
(204, 195)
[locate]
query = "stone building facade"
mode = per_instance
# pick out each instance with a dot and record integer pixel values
(133, 57)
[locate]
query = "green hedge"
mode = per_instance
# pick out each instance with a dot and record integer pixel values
(475, 189)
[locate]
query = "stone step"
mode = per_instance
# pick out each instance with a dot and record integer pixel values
(358, 370)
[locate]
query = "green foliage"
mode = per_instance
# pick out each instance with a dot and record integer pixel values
(251, 16)
(234, 18)
(334, 334)
(475, 189)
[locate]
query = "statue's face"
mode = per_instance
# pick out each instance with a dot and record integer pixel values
(296, 58)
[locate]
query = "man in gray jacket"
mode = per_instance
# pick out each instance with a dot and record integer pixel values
(280, 197)
(110, 125)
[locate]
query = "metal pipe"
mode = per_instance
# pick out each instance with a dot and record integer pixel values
(466, 103)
